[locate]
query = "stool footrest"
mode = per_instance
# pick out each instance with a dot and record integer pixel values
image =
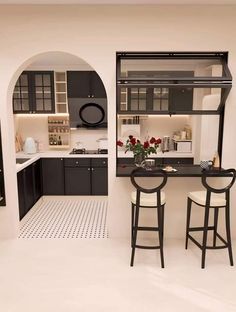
(200, 228)
(210, 247)
(147, 247)
(146, 228)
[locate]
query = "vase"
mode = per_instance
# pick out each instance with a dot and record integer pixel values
(138, 160)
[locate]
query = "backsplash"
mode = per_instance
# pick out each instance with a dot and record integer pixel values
(37, 127)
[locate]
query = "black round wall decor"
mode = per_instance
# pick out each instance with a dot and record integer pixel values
(91, 114)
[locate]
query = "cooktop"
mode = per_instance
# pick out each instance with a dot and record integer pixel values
(85, 151)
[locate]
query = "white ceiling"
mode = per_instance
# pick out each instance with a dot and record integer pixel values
(144, 2)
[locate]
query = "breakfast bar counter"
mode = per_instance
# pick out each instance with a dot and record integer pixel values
(183, 170)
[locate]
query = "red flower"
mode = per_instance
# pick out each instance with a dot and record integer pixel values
(130, 137)
(158, 141)
(152, 140)
(146, 144)
(133, 141)
(119, 143)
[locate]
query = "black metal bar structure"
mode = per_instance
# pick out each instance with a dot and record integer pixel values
(220, 81)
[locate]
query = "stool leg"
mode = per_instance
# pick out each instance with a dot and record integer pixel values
(162, 219)
(204, 240)
(132, 222)
(134, 234)
(189, 204)
(160, 230)
(216, 213)
(227, 224)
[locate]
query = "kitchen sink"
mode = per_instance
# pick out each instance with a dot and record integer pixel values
(21, 160)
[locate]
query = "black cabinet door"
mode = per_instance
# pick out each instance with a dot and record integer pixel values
(28, 188)
(34, 93)
(77, 181)
(99, 181)
(53, 176)
(36, 170)
(21, 194)
(84, 84)
(181, 99)
(78, 84)
(97, 88)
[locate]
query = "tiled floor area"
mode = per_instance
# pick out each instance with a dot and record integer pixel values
(67, 275)
(66, 218)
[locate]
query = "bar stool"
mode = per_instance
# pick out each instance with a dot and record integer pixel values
(211, 198)
(147, 198)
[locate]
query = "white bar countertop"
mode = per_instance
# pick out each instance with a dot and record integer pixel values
(52, 154)
(171, 154)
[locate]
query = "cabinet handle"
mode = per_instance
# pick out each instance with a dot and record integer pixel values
(61, 158)
(88, 169)
(89, 96)
(92, 169)
(104, 162)
(92, 95)
(77, 162)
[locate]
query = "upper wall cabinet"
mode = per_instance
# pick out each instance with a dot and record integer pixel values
(34, 93)
(172, 82)
(85, 84)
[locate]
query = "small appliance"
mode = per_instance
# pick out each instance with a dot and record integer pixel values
(29, 146)
(84, 151)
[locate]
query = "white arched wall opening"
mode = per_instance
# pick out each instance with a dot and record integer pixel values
(9, 214)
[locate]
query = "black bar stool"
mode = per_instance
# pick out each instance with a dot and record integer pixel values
(211, 198)
(147, 198)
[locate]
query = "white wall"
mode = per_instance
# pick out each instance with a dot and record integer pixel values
(95, 34)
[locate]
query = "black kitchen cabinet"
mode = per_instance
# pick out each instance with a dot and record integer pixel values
(37, 186)
(29, 187)
(53, 176)
(77, 176)
(21, 194)
(99, 176)
(85, 84)
(34, 93)
(156, 99)
(86, 176)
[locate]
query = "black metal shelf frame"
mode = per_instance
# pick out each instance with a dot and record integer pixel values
(223, 82)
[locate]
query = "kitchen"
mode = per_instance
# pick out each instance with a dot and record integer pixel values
(61, 147)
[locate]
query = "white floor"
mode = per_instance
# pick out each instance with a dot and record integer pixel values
(45, 275)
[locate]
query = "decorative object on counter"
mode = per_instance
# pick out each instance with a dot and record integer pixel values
(166, 144)
(206, 164)
(216, 160)
(102, 143)
(18, 143)
(58, 131)
(140, 150)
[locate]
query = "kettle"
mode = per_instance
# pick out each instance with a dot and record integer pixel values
(29, 146)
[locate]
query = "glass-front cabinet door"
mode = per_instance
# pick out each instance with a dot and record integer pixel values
(44, 92)
(21, 95)
(34, 93)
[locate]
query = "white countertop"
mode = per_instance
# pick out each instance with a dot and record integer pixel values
(172, 154)
(52, 154)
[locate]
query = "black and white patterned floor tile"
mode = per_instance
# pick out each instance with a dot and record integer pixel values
(55, 218)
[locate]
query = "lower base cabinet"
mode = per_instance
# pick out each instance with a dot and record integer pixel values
(53, 176)
(29, 187)
(86, 176)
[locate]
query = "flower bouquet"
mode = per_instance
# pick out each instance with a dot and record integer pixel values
(139, 149)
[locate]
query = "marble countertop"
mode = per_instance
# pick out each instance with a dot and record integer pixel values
(52, 154)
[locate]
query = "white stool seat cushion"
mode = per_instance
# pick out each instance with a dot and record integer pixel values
(200, 198)
(148, 199)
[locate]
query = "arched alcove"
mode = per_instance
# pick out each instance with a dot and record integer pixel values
(50, 60)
